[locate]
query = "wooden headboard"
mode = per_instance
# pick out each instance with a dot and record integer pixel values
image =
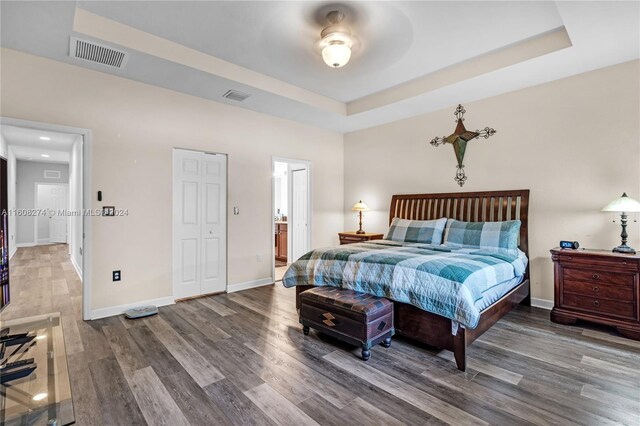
(487, 206)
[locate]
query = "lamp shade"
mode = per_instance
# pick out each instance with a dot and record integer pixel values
(336, 54)
(623, 204)
(360, 207)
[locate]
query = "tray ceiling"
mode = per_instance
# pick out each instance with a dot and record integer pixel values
(413, 57)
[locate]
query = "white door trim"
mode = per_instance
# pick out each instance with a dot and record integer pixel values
(35, 205)
(309, 167)
(87, 190)
(293, 234)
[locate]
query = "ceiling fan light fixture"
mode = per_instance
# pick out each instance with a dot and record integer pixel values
(336, 41)
(336, 54)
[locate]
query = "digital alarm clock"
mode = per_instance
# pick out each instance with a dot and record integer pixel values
(569, 244)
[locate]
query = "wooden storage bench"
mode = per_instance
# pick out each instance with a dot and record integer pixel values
(357, 318)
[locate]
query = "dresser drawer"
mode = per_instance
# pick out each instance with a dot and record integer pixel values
(352, 240)
(595, 289)
(348, 240)
(600, 306)
(596, 276)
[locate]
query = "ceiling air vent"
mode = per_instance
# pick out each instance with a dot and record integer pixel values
(97, 53)
(235, 95)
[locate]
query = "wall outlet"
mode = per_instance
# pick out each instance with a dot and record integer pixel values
(236, 211)
(117, 275)
(259, 258)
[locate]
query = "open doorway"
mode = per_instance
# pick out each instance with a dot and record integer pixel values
(291, 212)
(48, 186)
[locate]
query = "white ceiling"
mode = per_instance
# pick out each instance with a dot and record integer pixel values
(27, 145)
(267, 49)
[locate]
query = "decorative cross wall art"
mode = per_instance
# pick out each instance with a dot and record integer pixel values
(459, 140)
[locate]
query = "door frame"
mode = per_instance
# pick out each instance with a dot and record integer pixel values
(87, 190)
(173, 226)
(35, 204)
(309, 166)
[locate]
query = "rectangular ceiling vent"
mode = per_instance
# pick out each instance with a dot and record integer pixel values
(97, 53)
(235, 95)
(52, 174)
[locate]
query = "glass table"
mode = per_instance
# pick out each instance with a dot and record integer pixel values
(42, 397)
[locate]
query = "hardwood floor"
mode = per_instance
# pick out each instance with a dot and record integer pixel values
(280, 272)
(241, 358)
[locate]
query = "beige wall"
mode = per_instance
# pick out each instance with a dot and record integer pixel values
(134, 128)
(575, 143)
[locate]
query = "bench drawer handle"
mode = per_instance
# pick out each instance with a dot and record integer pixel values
(595, 276)
(596, 303)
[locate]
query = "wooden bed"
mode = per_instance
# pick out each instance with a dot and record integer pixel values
(489, 206)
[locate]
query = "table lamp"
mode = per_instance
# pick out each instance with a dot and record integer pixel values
(360, 207)
(623, 205)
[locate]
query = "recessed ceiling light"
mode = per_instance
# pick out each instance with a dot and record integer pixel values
(45, 155)
(45, 138)
(42, 336)
(40, 396)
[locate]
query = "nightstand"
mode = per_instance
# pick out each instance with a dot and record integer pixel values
(598, 286)
(352, 237)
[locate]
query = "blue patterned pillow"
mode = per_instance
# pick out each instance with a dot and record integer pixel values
(502, 236)
(416, 231)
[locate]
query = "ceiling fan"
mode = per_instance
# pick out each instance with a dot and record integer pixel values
(336, 41)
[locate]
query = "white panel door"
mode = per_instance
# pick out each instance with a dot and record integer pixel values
(51, 227)
(214, 232)
(57, 221)
(299, 214)
(199, 223)
(187, 223)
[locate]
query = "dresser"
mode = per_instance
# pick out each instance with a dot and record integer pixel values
(352, 237)
(598, 286)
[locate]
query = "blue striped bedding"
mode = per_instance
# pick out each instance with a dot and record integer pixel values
(448, 281)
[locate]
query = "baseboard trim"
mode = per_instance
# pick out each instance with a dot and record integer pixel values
(20, 245)
(117, 310)
(542, 303)
(232, 288)
(15, 249)
(76, 267)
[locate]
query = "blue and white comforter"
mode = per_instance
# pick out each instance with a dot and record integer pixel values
(443, 280)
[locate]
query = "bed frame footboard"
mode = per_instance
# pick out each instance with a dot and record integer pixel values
(434, 330)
